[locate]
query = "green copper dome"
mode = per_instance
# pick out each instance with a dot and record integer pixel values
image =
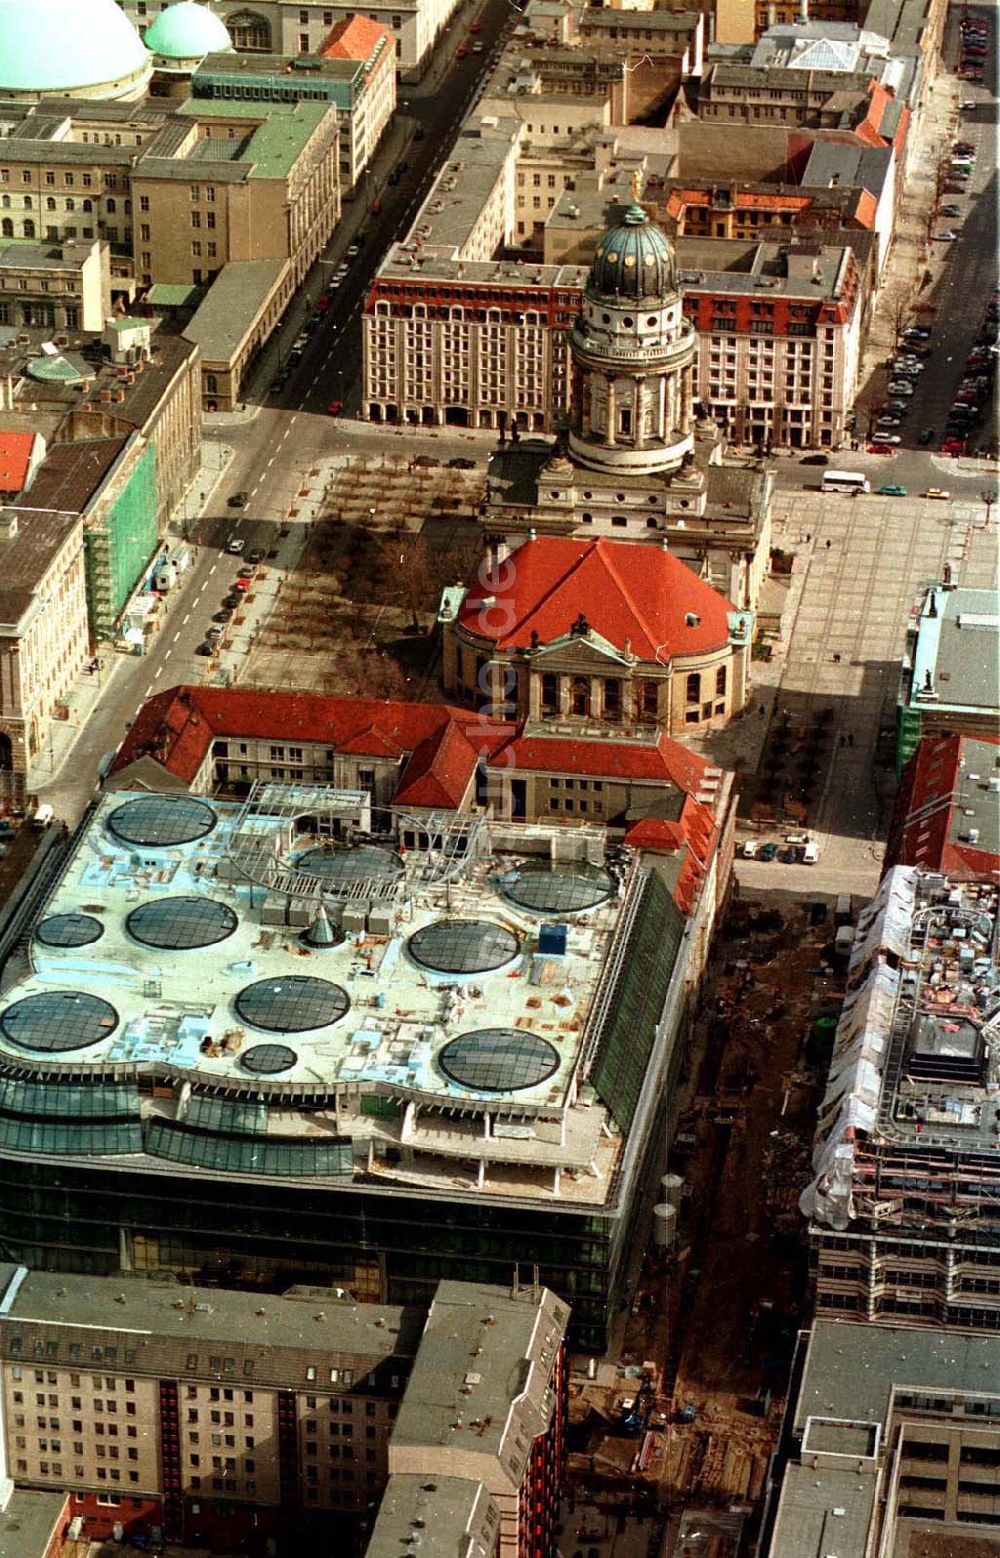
(186, 31)
(65, 45)
(633, 260)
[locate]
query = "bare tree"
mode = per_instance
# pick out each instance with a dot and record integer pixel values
(368, 672)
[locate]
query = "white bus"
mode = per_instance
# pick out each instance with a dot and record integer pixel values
(845, 481)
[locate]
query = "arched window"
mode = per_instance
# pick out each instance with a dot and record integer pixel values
(111, 206)
(612, 698)
(88, 205)
(250, 33)
(5, 202)
(7, 227)
(211, 384)
(29, 229)
(50, 204)
(694, 687)
(720, 682)
(28, 203)
(580, 696)
(71, 204)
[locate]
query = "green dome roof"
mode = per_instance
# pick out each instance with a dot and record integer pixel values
(187, 31)
(633, 260)
(60, 45)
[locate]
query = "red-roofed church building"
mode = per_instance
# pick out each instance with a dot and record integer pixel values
(598, 636)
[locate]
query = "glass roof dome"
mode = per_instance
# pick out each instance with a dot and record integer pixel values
(633, 260)
(187, 30)
(66, 45)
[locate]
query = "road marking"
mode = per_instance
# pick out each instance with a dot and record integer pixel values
(270, 462)
(175, 638)
(166, 657)
(147, 693)
(211, 571)
(187, 618)
(159, 673)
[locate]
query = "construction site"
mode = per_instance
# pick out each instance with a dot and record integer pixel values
(690, 1415)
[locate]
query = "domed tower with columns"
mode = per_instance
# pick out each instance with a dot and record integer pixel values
(633, 355)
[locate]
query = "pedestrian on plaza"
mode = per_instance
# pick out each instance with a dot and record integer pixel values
(828, 543)
(762, 711)
(808, 537)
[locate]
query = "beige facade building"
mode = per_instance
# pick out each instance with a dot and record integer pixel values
(44, 639)
(60, 288)
(236, 181)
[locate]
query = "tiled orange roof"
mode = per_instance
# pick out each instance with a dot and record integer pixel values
(635, 596)
(355, 38)
(15, 460)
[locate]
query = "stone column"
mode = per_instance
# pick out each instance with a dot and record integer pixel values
(638, 413)
(609, 431)
(563, 696)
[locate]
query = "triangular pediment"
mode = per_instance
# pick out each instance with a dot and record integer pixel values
(582, 650)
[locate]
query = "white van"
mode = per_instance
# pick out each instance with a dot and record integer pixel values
(810, 855)
(43, 816)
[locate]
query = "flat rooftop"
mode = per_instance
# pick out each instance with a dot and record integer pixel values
(852, 1370)
(460, 1511)
(956, 643)
(824, 1511)
(147, 1313)
(451, 212)
(431, 1009)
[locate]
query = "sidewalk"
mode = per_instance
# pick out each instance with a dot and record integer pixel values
(90, 690)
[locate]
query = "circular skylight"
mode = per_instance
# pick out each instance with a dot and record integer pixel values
(180, 924)
(69, 930)
(58, 1020)
(342, 866)
(265, 1060)
(291, 1003)
(498, 1060)
(463, 946)
(545, 887)
(159, 820)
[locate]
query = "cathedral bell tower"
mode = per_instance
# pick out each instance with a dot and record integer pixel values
(633, 354)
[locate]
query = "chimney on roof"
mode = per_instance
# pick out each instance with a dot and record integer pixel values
(932, 610)
(804, 13)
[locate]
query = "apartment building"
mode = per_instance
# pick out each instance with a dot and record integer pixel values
(904, 1226)
(946, 815)
(501, 1425)
(894, 1440)
(58, 287)
(204, 1412)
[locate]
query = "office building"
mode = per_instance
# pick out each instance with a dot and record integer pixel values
(951, 672)
(459, 1039)
(894, 1445)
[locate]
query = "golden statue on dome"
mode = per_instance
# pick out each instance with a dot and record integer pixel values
(636, 185)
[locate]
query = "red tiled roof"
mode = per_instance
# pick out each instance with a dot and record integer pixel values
(665, 763)
(15, 460)
(694, 832)
(178, 726)
(635, 595)
(354, 38)
(922, 829)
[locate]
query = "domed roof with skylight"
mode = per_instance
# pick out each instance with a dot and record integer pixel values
(186, 30)
(70, 48)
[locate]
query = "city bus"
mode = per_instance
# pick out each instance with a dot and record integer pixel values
(845, 481)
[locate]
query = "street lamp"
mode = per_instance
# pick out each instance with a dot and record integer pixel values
(989, 498)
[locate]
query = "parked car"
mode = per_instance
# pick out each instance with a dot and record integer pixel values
(889, 422)
(205, 649)
(238, 500)
(886, 438)
(937, 492)
(768, 851)
(874, 448)
(460, 463)
(951, 210)
(353, 250)
(461, 52)
(918, 333)
(426, 462)
(952, 445)
(335, 408)
(948, 236)
(225, 615)
(749, 849)
(242, 585)
(235, 545)
(901, 387)
(214, 634)
(256, 555)
(815, 459)
(892, 491)
(926, 435)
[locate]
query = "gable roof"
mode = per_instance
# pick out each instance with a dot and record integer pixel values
(15, 460)
(636, 597)
(354, 38)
